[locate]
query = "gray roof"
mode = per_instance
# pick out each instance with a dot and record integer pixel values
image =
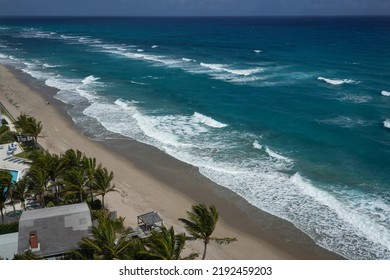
(149, 219)
(59, 229)
(8, 245)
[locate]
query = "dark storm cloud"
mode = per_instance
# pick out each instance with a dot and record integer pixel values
(194, 7)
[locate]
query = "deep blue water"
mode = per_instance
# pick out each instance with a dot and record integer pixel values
(293, 114)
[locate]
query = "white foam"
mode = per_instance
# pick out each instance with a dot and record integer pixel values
(208, 121)
(217, 67)
(386, 123)
(188, 59)
(243, 72)
(138, 83)
(362, 223)
(337, 82)
(257, 51)
(224, 68)
(154, 46)
(357, 99)
(276, 155)
(385, 93)
(140, 50)
(345, 121)
(46, 65)
(257, 146)
(89, 80)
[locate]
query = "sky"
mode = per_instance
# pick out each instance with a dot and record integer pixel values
(193, 7)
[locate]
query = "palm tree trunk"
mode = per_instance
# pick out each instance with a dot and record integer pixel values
(205, 249)
(103, 201)
(2, 215)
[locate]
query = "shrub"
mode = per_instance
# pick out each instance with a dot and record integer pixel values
(9, 228)
(3, 129)
(7, 137)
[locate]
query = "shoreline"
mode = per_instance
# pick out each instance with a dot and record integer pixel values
(149, 179)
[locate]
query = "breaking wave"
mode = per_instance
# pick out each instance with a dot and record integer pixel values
(337, 82)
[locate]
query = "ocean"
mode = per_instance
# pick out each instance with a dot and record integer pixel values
(292, 114)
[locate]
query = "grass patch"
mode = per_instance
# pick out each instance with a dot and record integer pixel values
(24, 154)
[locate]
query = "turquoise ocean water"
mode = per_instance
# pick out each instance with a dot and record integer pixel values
(293, 114)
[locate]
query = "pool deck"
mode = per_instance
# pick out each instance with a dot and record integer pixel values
(20, 166)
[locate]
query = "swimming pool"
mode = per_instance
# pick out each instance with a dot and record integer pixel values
(14, 174)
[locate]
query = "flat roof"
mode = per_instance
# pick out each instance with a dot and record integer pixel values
(8, 245)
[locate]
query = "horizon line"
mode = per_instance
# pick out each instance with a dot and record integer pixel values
(185, 16)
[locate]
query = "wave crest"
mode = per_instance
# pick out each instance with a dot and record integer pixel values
(336, 82)
(385, 93)
(386, 123)
(208, 121)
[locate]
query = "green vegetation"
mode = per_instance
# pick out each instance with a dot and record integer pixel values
(28, 255)
(9, 228)
(6, 135)
(29, 126)
(5, 187)
(72, 177)
(62, 179)
(110, 240)
(201, 224)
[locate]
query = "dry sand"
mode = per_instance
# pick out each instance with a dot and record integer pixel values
(148, 180)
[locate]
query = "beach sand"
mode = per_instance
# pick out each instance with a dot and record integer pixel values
(149, 180)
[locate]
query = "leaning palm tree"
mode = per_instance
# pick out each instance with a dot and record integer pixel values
(21, 192)
(21, 122)
(201, 223)
(30, 126)
(89, 166)
(102, 182)
(74, 183)
(164, 244)
(107, 241)
(38, 180)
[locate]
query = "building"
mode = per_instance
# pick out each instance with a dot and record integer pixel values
(51, 232)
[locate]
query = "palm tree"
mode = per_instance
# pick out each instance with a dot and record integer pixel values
(72, 158)
(21, 122)
(29, 126)
(38, 180)
(21, 192)
(108, 241)
(201, 224)
(74, 182)
(102, 182)
(5, 190)
(89, 165)
(2, 207)
(164, 244)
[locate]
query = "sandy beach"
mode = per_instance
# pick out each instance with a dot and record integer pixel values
(148, 180)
